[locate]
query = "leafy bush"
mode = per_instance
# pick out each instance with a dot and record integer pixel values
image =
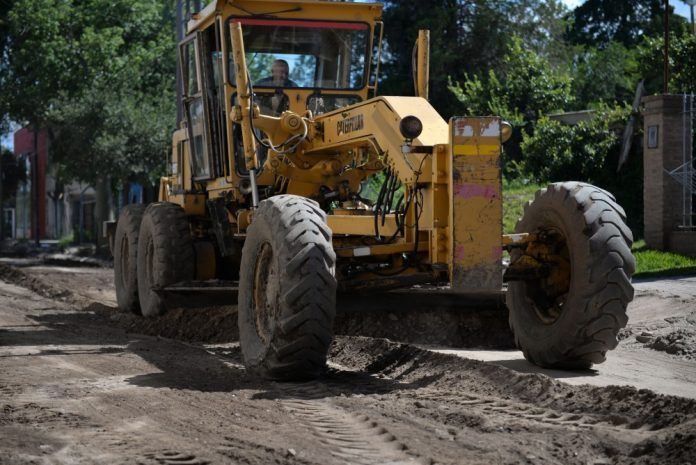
(557, 151)
(66, 241)
(589, 152)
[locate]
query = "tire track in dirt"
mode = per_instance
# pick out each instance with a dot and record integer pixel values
(171, 457)
(472, 396)
(349, 438)
(495, 407)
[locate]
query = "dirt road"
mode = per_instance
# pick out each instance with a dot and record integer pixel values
(79, 385)
(657, 350)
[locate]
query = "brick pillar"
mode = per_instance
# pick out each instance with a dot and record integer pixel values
(662, 150)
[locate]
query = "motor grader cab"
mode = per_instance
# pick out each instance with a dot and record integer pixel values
(293, 176)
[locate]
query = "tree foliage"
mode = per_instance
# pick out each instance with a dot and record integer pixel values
(5, 7)
(682, 63)
(600, 22)
(608, 74)
(467, 37)
(99, 74)
(525, 87)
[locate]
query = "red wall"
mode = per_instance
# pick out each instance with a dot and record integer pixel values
(24, 144)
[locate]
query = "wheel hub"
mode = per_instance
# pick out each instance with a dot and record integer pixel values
(265, 293)
(548, 294)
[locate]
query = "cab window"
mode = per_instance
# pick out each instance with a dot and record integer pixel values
(305, 54)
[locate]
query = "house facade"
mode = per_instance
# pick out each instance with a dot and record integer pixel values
(46, 208)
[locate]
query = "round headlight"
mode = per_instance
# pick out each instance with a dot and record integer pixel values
(410, 127)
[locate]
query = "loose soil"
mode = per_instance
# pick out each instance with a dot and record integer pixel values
(81, 383)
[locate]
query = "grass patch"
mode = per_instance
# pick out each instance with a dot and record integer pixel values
(651, 263)
(516, 194)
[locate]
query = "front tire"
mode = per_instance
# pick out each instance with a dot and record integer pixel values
(575, 327)
(287, 290)
(126, 257)
(165, 254)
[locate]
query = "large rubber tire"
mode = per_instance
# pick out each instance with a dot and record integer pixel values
(601, 265)
(287, 290)
(165, 254)
(125, 257)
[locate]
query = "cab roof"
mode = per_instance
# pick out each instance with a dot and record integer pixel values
(287, 9)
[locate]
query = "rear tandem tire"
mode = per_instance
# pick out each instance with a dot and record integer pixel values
(126, 257)
(165, 254)
(287, 290)
(593, 311)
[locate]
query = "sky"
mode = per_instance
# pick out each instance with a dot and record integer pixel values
(681, 8)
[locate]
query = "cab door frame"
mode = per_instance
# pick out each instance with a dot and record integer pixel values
(195, 109)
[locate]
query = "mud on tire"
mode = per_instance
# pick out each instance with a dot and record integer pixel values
(165, 254)
(126, 257)
(601, 265)
(287, 290)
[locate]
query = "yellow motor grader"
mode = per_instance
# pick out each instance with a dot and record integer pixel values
(290, 174)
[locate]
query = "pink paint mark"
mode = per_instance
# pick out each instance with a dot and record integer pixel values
(459, 253)
(467, 191)
(496, 253)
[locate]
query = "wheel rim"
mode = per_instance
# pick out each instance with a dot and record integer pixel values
(265, 293)
(124, 261)
(548, 295)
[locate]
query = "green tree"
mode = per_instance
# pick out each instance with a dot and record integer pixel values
(99, 74)
(604, 74)
(92, 68)
(526, 87)
(468, 37)
(259, 65)
(682, 63)
(599, 22)
(5, 7)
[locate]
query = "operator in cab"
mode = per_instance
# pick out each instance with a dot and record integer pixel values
(280, 70)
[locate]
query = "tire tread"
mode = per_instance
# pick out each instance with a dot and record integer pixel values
(303, 332)
(608, 282)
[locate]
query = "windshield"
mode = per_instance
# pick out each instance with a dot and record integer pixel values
(307, 54)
